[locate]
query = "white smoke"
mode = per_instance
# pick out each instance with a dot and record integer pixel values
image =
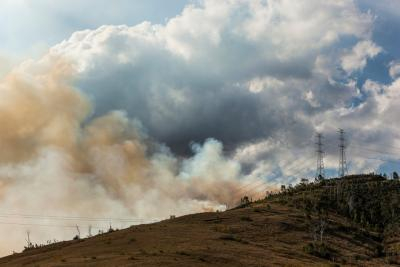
(259, 75)
(55, 161)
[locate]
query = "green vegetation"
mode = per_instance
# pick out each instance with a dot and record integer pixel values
(370, 202)
(318, 249)
(246, 218)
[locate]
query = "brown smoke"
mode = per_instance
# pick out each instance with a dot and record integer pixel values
(54, 160)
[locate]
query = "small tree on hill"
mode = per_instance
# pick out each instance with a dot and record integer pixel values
(304, 181)
(28, 240)
(245, 200)
(316, 214)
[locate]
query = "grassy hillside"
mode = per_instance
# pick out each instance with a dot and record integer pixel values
(371, 203)
(332, 223)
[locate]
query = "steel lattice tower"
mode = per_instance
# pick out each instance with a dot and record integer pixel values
(342, 156)
(320, 174)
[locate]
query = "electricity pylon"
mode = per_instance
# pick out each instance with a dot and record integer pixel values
(320, 174)
(342, 156)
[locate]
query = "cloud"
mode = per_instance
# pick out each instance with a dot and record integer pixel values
(5, 65)
(257, 85)
(55, 158)
(195, 76)
(357, 58)
(242, 72)
(394, 69)
(54, 22)
(386, 7)
(124, 120)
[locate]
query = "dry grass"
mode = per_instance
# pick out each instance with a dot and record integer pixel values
(264, 234)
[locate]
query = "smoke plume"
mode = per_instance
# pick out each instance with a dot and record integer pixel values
(57, 160)
(100, 126)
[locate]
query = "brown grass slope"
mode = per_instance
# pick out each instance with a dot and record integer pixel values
(261, 234)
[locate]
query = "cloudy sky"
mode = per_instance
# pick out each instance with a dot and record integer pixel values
(151, 102)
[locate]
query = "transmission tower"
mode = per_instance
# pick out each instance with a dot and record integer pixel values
(342, 156)
(320, 174)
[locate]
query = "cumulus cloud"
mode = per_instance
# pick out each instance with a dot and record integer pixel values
(356, 59)
(55, 158)
(394, 69)
(195, 77)
(125, 119)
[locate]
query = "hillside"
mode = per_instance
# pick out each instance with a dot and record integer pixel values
(282, 230)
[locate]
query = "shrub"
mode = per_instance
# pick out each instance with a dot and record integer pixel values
(320, 250)
(257, 210)
(378, 251)
(233, 238)
(229, 237)
(184, 253)
(246, 218)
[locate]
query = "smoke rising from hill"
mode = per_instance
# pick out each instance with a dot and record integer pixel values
(101, 125)
(56, 161)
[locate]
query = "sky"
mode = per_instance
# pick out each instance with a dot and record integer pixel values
(143, 109)
(29, 28)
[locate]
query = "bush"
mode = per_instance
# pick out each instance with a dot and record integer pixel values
(378, 251)
(257, 210)
(229, 237)
(233, 238)
(246, 218)
(320, 250)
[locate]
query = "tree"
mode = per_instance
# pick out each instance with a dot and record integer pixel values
(316, 207)
(322, 224)
(78, 236)
(304, 181)
(28, 240)
(90, 231)
(395, 176)
(245, 200)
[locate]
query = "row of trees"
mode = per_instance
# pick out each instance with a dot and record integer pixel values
(370, 201)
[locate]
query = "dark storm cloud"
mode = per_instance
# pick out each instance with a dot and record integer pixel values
(261, 76)
(188, 81)
(241, 72)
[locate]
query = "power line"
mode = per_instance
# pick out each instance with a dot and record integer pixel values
(381, 145)
(267, 185)
(373, 150)
(44, 225)
(239, 190)
(69, 218)
(253, 189)
(303, 162)
(362, 146)
(385, 160)
(253, 185)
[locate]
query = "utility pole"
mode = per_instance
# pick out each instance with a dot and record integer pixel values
(342, 156)
(320, 174)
